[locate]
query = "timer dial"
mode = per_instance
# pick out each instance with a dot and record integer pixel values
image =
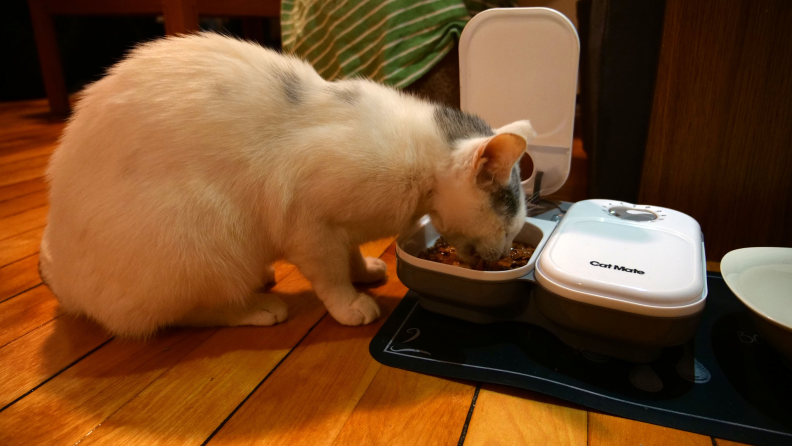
(633, 212)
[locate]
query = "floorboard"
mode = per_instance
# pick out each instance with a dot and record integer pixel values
(13, 151)
(71, 405)
(24, 170)
(23, 188)
(406, 408)
(23, 221)
(23, 203)
(20, 246)
(42, 353)
(520, 417)
(607, 430)
(26, 312)
(19, 276)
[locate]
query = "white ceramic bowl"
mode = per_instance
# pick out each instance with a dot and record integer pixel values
(762, 279)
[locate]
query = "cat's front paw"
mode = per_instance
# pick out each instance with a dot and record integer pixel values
(375, 270)
(364, 310)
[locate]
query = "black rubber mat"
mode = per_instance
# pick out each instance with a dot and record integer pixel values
(727, 382)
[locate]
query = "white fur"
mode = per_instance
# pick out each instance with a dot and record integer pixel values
(186, 172)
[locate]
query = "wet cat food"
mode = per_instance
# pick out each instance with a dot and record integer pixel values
(442, 252)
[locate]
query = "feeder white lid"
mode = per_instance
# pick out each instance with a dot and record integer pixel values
(522, 63)
(640, 259)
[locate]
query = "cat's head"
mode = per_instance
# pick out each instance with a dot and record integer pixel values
(478, 202)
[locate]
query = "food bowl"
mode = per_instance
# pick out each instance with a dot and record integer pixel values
(762, 279)
(477, 296)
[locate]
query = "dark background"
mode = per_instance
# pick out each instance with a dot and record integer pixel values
(88, 46)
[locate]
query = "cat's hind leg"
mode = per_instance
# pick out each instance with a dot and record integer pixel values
(257, 309)
(365, 269)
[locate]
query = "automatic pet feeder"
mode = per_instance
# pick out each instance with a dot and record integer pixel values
(607, 277)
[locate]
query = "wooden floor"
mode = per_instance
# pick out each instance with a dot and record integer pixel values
(307, 381)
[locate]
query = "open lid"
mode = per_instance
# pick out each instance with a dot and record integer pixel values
(522, 63)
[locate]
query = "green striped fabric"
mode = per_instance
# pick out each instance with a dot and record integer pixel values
(390, 41)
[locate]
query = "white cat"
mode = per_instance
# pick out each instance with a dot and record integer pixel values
(199, 161)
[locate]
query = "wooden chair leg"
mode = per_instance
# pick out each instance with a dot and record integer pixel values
(49, 58)
(181, 16)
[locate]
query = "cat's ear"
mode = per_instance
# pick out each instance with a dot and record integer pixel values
(522, 128)
(497, 156)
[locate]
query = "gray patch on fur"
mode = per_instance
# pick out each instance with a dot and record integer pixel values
(221, 89)
(292, 89)
(347, 94)
(456, 124)
(506, 199)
